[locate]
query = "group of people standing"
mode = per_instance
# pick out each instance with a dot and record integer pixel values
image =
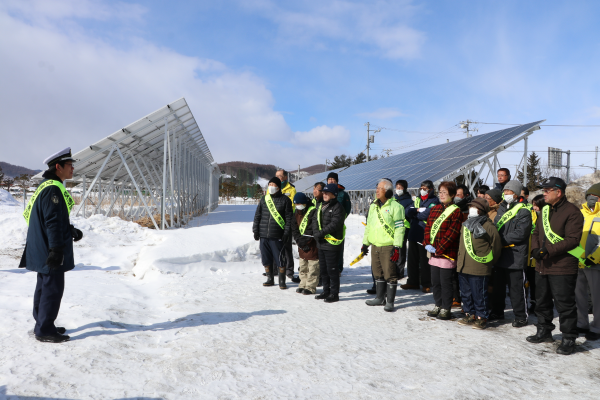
(317, 227)
(465, 250)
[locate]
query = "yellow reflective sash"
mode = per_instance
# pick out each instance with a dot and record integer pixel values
(388, 229)
(438, 222)
(417, 202)
(468, 238)
(508, 215)
(330, 239)
(274, 213)
(578, 252)
(68, 199)
(304, 222)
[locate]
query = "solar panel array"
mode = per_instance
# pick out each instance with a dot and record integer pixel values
(431, 163)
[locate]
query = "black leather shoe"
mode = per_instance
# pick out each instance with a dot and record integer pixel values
(60, 330)
(567, 347)
(322, 296)
(294, 279)
(299, 290)
(592, 336)
(373, 290)
(519, 323)
(332, 298)
(542, 335)
(495, 317)
(306, 292)
(56, 338)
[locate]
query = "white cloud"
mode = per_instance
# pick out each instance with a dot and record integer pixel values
(383, 113)
(379, 25)
(71, 89)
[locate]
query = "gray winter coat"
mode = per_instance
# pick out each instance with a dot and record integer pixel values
(514, 232)
(265, 225)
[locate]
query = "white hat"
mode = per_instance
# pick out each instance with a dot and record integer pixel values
(63, 155)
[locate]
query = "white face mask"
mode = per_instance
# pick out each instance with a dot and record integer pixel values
(424, 192)
(273, 189)
(473, 212)
(300, 207)
(399, 192)
(509, 198)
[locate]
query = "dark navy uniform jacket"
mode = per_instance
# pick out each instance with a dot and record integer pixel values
(49, 228)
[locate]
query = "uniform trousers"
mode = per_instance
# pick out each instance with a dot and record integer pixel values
(46, 302)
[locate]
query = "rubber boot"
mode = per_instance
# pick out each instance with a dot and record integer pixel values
(391, 296)
(282, 284)
(270, 281)
(379, 300)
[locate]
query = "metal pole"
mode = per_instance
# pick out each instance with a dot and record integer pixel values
(164, 182)
(368, 140)
(568, 166)
(525, 167)
(84, 198)
(24, 197)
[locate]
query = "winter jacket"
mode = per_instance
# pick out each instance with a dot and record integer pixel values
(481, 246)
(493, 212)
(49, 228)
(500, 186)
(405, 201)
(516, 232)
(566, 220)
(418, 219)
(265, 225)
(303, 241)
(463, 204)
(447, 239)
(591, 240)
(289, 190)
(332, 223)
(393, 215)
(344, 199)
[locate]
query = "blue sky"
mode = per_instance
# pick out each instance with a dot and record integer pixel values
(293, 82)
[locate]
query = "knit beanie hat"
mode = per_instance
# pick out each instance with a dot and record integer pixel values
(480, 204)
(515, 186)
(594, 189)
(334, 176)
(300, 198)
(496, 195)
(276, 181)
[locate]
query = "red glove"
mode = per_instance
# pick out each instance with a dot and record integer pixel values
(395, 254)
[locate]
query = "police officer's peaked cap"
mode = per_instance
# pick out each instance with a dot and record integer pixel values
(63, 155)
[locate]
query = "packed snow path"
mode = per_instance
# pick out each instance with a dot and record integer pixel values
(200, 325)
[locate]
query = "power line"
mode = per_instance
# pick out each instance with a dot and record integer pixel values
(577, 126)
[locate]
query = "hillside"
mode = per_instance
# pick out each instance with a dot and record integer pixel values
(11, 171)
(266, 171)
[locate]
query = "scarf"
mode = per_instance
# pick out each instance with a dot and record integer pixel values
(474, 225)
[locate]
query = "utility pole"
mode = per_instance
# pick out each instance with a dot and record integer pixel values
(568, 166)
(326, 162)
(466, 126)
(370, 138)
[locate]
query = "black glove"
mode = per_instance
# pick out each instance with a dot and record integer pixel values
(539, 254)
(55, 259)
(256, 236)
(76, 233)
(285, 237)
(302, 241)
(306, 249)
(364, 249)
(318, 235)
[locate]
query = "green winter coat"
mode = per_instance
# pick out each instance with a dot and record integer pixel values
(481, 247)
(393, 215)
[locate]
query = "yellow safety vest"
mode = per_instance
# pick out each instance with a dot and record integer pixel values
(68, 199)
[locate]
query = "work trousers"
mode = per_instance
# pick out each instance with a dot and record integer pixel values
(456, 288)
(441, 286)
(419, 271)
(401, 264)
(515, 279)
(474, 290)
(46, 302)
(330, 273)
(270, 253)
(341, 258)
(309, 274)
(557, 291)
(289, 258)
(530, 275)
(588, 280)
(381, 265)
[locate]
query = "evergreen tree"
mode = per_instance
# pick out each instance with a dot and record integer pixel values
(341, 162)
(534, 172)
(360, 158)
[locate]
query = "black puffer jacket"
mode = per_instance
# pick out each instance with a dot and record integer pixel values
(332, 223)
(516, 232)
(265, 225)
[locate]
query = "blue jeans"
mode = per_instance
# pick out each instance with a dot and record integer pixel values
(474, 293)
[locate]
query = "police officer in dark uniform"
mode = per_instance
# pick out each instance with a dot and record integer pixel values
(49, 246)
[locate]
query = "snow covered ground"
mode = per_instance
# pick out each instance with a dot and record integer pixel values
(182, 314)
